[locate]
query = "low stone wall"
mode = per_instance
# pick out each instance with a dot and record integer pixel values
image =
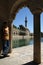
(21, 37)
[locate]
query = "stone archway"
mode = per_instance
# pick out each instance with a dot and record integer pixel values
(36, 12)
(8, 10)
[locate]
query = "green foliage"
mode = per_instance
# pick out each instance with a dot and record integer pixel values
(21, 27)
(15, 26)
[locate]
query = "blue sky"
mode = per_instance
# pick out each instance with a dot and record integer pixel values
(20, 19)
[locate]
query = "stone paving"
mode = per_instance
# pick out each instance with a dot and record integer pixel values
(20, 56)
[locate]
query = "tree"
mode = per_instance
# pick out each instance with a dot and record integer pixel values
(14, 26)
(21, 27)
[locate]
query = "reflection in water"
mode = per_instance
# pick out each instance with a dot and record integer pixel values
(22, 42)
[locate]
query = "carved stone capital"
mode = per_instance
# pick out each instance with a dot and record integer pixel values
(36, 11)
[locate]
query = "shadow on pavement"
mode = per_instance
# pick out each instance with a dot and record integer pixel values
(31, 63)
(1, 57)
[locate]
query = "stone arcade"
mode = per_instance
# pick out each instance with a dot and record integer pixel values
(8, 10)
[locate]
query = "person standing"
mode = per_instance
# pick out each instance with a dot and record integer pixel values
(6, 42)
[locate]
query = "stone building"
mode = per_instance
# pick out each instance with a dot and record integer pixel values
(22, 30)
(15, 31)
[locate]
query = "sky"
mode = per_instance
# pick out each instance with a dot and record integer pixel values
(20, 19)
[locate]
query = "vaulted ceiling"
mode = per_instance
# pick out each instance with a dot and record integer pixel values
(9, 8)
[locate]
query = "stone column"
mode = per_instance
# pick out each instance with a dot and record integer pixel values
(1, 22)
(1, 35)
(37, 45)
(10, 36)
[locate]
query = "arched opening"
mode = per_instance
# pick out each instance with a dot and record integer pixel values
(25, 41)
(36, 13)
(42, 37)
(36, 8)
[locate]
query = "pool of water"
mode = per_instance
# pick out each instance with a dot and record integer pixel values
(23, 42)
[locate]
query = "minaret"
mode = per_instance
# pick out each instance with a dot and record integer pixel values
(26, 22)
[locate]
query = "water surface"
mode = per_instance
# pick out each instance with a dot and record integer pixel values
(23, 42)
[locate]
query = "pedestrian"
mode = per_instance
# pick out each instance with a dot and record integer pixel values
(6, 42)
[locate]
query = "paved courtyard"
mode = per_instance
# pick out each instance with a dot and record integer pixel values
(20, 56)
